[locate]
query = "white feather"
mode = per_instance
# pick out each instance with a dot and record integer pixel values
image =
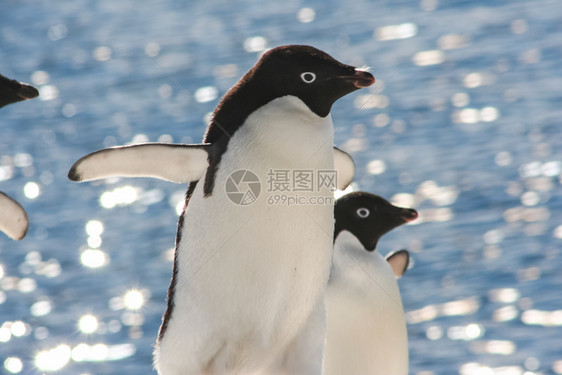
(366, 326)
(249, 293)
(171, 162)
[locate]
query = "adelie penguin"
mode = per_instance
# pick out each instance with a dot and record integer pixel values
(366, 326)
(13, 218)
(247, 291)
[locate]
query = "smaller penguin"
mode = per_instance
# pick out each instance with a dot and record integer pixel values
(13, 219)
(366, 327)
(12, 91)
(179, 163)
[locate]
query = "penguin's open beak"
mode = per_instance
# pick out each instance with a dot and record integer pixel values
(409, 214)
(360, 79)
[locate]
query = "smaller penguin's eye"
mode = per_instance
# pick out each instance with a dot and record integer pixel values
(308, 77)
(363, 212)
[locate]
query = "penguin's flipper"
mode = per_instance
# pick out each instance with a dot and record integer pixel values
(12, 91)
(399, 261)
(13, 219)
(178, 163)
(345, 168)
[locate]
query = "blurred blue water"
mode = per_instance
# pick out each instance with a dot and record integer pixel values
(463, 124)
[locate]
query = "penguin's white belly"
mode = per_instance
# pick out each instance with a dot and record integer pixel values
(249, 276)
(366, 327)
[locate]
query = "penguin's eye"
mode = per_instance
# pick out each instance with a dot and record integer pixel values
(363, 212)
(308, 77)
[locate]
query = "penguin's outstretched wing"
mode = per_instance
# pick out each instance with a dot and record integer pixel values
(399, 261)
(171, 162)
(178, 163)
(345, 168)
(12, 91)
(13, 219)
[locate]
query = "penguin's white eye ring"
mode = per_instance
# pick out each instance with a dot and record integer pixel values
(308, 77)
(363, 212)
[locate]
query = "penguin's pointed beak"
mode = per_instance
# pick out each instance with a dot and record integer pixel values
(27, 92)
(360, 79)
(409, 214)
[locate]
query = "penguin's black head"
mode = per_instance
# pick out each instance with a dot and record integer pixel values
(307, 73)
(302, 71)
(12, 91)
(368, 217)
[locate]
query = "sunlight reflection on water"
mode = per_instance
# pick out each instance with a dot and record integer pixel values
(462, 124)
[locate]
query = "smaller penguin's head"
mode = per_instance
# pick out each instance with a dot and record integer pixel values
(309, 74)
(368, 217)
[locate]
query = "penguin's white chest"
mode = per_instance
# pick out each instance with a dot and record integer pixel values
(250, 275)
(366, 327)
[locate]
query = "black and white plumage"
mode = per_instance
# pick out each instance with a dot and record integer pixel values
(366, 326)
(248, 283)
